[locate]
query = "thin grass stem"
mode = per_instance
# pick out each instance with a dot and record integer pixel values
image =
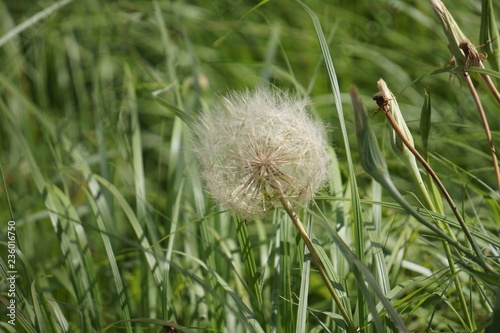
(486, 126)
(383, 102)
(315, 258)
(32, 21)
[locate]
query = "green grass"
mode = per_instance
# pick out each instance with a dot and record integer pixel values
(115, 230)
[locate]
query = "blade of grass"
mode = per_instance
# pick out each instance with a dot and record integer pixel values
(376, 239)
(221, 40)
(495, 327)
(284, 298)
(248, 258)
(425, 122)
(209, 255)
(33, 20)
(304, 287)
(73, 239)
(164, 324)
(356, 205)
(129, 106)
(76, 252)
(26, 318)
(168, 309)
(37, 302)
(153, 263)
(245, 314)
(103, 217)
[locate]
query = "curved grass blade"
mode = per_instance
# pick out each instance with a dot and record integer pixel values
(495, 327)
(488, 34)
(103, 217)
(364, 276)
(356, 204)
(256, 297)
(425, 122)
(245, 314)
(76, 252)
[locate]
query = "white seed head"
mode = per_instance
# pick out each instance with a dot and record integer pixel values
(256, 147)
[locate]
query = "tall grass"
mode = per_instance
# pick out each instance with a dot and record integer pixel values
(115, 231)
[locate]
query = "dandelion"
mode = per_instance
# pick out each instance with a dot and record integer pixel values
(258, 150)
(258, 147)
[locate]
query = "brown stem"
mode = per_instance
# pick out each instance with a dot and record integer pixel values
(383, 102)
(485, 125)
(316, 260)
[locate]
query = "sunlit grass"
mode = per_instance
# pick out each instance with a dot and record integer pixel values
(115, 229)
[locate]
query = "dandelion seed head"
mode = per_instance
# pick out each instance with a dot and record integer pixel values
(257, 146)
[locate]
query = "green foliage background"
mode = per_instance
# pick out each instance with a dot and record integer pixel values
(114, 229)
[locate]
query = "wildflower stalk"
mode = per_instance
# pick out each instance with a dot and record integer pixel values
(466, 54)
(383, 99)
(317, 261)
(410, 159)
(373, 162)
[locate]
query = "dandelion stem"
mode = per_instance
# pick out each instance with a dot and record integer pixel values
(315, 258)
